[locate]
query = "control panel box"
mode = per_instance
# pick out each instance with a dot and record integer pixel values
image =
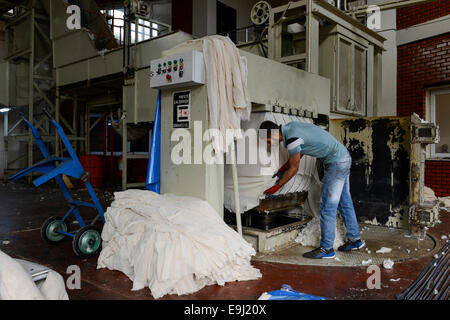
(180, 70)
(425, 132)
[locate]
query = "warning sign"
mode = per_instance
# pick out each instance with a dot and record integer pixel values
(182, 109)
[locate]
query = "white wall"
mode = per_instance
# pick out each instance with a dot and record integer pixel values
(388, 105)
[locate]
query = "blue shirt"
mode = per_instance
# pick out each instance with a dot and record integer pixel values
(309, 139)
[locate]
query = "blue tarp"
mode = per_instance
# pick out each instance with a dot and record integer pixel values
(153, 182)
(287, 293)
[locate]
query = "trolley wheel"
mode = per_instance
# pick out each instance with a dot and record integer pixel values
(87, 242)
(49, 230)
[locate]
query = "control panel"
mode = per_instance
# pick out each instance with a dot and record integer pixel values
(425, 132)
(181, 70)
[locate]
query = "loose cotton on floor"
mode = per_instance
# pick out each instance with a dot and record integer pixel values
(172, 244)
(309, 236)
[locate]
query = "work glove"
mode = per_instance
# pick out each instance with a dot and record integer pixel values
(269, 192)
(279, 174)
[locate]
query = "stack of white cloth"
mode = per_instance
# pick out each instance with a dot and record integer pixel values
(172, 244)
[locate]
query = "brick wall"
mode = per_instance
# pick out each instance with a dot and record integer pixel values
(412, 15)
(420, 64)
(423, 64)
(437, 177)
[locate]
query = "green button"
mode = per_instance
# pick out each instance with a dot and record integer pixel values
(170, 63)
(164, 64)
(181, 60)
(175, 61)
(159, 65)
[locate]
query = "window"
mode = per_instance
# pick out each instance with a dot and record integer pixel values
(440, 115)
(145, 29)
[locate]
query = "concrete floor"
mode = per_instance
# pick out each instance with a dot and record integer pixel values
(24, 208)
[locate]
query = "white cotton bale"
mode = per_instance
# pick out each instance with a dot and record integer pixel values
(172, 244)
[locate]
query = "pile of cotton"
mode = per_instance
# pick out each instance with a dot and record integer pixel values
(172, 244)
(309, 236)
(17, 284)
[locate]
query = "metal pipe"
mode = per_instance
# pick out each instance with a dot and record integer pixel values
(308, 36)
(31, 88)
(426, 282)
(111, 148)
(136, 93)
(236, 189)
(124, 152)
(57, 116)
(105, 124)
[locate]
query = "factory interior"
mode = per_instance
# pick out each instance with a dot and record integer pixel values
(135, 163)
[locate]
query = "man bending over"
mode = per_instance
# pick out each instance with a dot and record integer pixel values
(305, 138)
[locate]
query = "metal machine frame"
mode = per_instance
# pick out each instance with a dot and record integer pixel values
(322, 52)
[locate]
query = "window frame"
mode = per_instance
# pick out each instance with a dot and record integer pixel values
(433, 95)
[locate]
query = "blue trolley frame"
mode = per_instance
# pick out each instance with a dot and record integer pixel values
(54, 167)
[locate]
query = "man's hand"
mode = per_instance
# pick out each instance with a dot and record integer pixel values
(272, 190)
(279, 174)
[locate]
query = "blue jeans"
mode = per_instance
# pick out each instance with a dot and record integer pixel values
(336, 195)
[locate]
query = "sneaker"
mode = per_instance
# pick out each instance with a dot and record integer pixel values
(352, 245)
(320, 253)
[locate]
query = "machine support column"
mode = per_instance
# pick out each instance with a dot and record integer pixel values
(57, 105)
(124, 153)
(236, 189)
(312, 41)
(31, 89)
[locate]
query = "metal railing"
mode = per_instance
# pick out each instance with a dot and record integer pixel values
(245, 35)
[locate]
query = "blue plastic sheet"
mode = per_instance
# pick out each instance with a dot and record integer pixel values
(287, 293)
(153, 182)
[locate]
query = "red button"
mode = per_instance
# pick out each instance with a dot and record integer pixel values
(168, 77)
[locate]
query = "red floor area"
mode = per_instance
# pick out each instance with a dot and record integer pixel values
(24, 209)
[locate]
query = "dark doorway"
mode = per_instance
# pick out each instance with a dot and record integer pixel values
(226, 20)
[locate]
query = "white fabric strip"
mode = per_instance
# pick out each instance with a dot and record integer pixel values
(295, 143)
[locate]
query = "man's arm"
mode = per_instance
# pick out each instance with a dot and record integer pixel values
(293, 162)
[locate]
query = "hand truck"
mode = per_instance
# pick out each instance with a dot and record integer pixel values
(87, 240)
